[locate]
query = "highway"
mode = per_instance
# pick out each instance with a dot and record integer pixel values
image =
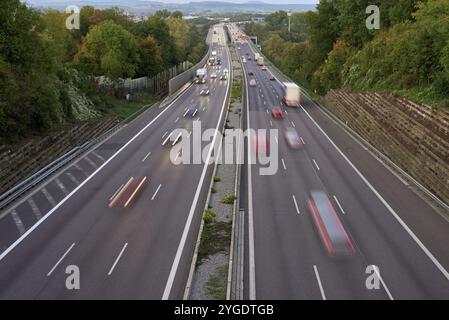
(124, 214)
(390, 226)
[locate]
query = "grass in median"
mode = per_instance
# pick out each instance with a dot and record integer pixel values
(217, 283)
(216, 238)
(236, 92)
(228, 199)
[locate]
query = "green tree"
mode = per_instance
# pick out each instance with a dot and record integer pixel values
(110, 50)
(150, 57)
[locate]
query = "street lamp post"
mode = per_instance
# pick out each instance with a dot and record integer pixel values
(289, 14)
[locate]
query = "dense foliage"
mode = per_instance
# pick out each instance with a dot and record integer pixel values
(45, 67)
(332, 48)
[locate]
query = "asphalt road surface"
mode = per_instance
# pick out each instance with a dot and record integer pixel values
(390, 226)
(124, 215)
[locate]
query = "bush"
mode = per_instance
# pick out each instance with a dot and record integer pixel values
(228, 199)
(209, 216)
(217, 179)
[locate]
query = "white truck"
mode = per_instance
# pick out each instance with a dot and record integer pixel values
(260, 61)
(292, 94)
(256, 56)
(201, 75)
(214, 53)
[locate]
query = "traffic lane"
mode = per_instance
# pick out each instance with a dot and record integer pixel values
(153, 261)
(42, 203)
(422, 277)
(124, 160)
(281, 273)
(343, 280)
(349, 190)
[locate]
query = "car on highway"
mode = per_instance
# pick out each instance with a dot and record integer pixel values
(332, 233)
(223, 77)
(252, 83)
(191, 111)
(213, 75)
(173, 138)
(292, 138)
(250, 73)
(264, 68)
(272, 78)
(277, 113)
(204, 91)
(249, 58)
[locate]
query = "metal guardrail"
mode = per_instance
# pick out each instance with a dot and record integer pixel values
(24, 186)
(21, 188)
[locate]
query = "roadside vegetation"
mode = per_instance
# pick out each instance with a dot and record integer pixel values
(47, 70)
(331, 48)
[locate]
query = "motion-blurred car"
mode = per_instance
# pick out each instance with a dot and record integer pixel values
(173, 138)
(223, 77)
(252, 83)
(204, 91)
(292, 138)
(261, 144)
(191, 111)
(277, 113)
(213, 75)
(334, 236)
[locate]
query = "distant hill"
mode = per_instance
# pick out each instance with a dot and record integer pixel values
(191, 8)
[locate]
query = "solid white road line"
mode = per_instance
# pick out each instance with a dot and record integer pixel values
(61, 186)
(316, 164)
(164, 135)
(48, 196)
(293, 124)
(49, 213)
(174, 268)
(385, 203)
(147, 155)
(59, 261)
(296, 204)
(302, 140)
(18, 221)
(323, 296)
(251, 250)
(339, 205)
(35, 208)
(177, 119)
(155, 193)
(117, 259)
(283, 164)
(117, 191)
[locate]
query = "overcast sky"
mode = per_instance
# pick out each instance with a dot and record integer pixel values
(185, 1)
